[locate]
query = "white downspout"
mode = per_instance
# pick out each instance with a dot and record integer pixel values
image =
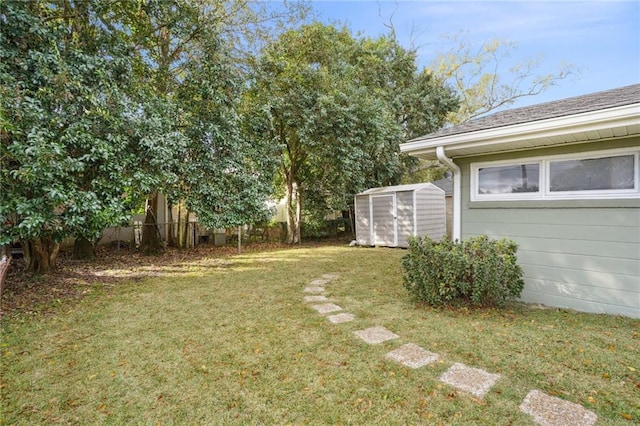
(457, 193)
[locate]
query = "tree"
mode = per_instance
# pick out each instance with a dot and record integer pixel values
(65, 151)
(173, 40)
(485, 80)
(223, 177)
(336, 108)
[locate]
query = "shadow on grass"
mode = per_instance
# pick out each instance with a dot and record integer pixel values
(73, 280)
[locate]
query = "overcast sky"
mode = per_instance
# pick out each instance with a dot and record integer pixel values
(600, 38)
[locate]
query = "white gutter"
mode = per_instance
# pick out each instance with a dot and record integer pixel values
(457, 194)
(624, 120)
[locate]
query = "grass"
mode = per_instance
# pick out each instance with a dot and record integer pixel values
(229, 340)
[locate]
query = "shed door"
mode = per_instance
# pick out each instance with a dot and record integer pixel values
(384, 220)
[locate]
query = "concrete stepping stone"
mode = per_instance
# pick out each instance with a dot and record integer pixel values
(412, 356)
(340, 318)
(467, 379)
(331, 276)
(325, 308)
(319, 298)
(377, 334)
(548, 410)
(314, 289)
(318, 282)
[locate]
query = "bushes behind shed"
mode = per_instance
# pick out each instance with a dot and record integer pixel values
(477, 271)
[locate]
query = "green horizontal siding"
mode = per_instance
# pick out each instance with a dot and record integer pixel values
(603, 305)
(583, 255)
(576, 246)
(594, 264)
(569, 276)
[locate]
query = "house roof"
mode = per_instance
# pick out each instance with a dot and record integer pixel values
(596, 116)
(446, 184)
(397, 188)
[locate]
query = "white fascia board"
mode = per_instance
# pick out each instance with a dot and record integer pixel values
(536, 130)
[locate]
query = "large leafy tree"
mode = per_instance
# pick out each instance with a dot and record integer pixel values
(192, 54)
(223, 177)
(336, 108)
(66, 154)
(93, 117)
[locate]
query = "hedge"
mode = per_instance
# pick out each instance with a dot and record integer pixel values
(477, 271)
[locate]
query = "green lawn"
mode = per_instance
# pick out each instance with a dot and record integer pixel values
(229, 340)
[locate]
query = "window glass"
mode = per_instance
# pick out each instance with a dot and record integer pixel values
(509, 179)
(592, 174)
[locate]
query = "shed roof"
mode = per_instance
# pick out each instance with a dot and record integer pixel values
(601, 115)
(397, 188)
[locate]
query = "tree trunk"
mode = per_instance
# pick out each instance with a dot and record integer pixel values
(83, 249)
(185, 233)
(5, 262)
(40, 255)
(171, 237)
(352, 221)
(293, 213)
(178, 227)
(298, 215)
(151, 244)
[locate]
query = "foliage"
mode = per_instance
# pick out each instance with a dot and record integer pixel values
(66, 155)
(486, 80)
(336, 108)
(104, 103)
(193, 54)
(423, 171)
(478, 271)
(224, 178)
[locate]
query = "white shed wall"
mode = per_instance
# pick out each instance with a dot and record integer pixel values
(363, 221)
(431, 213)
(405, 217)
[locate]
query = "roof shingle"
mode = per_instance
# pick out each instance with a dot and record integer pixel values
(570, 106)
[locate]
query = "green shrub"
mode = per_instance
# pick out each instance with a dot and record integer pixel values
(478, 271)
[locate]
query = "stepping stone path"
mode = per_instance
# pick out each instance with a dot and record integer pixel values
(340, 318)
(375, 335)
(412, 356)
(546, 410)
(316, 286)
(319, 298)
(326, 308)
(551, 411)
(467, 379)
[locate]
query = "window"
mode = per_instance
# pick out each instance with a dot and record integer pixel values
(509, 179)
(592, 174)
(605, 174)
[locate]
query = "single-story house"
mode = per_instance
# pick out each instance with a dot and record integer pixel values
(562, 180)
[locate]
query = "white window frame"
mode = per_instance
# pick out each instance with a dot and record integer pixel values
(544, 174)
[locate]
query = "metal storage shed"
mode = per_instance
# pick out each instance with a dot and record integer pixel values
(388, 216)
